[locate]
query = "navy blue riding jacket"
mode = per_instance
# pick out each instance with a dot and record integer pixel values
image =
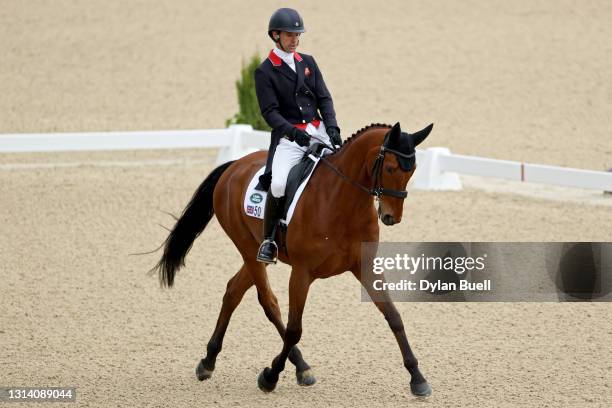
(288, 98)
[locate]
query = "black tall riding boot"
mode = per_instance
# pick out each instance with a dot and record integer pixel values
(272, 213)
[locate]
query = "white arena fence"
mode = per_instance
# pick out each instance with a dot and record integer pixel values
(438, 168)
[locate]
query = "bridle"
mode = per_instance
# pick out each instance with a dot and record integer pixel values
(377, 190)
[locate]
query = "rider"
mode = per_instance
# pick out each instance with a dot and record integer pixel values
(296, 104)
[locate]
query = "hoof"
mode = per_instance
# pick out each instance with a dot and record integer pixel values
(420, 390)
(305, 378)
(263, 384)
(203, 373)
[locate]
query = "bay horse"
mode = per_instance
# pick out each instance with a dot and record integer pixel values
(376, 162)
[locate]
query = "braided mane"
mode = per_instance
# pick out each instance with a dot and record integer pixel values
(363, 130)
(359, 133)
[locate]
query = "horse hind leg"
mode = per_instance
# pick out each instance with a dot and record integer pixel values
(236, 288)
(269, 303)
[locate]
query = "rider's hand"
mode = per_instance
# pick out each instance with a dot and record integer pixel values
(300, 137)
(334, 135)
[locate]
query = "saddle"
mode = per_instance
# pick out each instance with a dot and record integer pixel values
(255, 199)
(300, 172)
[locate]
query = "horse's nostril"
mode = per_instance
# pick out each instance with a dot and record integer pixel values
(388, 220)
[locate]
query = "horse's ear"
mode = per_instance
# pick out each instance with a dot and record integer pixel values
(419, 136)
(394, 134)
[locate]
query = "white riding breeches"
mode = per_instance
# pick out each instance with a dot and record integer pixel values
(288, 154)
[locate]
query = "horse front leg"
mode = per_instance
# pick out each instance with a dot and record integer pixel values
(418, 385)
(269, 303)
(299, 284)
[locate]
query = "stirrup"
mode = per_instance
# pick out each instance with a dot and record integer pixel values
(267, 259)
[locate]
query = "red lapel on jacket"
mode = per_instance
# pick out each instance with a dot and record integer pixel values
(274, 59)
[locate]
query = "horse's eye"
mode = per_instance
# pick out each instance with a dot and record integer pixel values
(389, 169)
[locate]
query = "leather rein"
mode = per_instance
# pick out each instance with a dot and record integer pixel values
(377, 190)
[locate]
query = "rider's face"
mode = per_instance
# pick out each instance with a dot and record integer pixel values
(289, 41)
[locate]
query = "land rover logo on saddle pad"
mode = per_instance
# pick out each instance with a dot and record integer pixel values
(256, 198)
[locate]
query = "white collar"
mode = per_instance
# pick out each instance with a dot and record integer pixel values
(285, 56)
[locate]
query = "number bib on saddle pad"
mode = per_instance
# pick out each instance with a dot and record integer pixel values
(255, 200)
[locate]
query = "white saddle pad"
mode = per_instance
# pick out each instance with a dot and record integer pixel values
(255, 200)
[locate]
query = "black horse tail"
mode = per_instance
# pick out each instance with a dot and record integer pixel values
(189, 226)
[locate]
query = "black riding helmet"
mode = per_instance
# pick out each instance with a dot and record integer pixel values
(285, 19)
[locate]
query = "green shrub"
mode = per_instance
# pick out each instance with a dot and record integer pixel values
(248, 107)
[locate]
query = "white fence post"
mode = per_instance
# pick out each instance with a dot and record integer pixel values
(235, 149)
(429, 174)
(244, 140)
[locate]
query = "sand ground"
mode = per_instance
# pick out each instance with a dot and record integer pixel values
(525, 81)
(78, 310)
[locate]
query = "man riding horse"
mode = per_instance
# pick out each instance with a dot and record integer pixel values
(297, 105)
(377, 161)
